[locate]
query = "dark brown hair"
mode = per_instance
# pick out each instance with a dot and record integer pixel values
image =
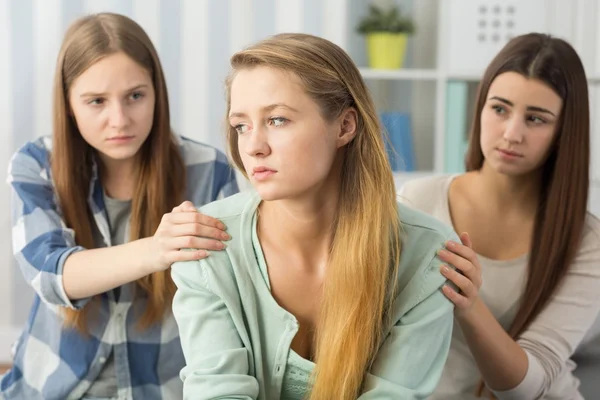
(161, 172)
(562, 209)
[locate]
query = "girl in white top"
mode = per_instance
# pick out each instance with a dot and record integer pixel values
(530, 263)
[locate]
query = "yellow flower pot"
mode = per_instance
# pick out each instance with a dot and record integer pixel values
(386, 50)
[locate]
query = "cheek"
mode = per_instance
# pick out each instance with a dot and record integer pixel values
(144, 115)
(243, 155)
(491, 130)
(148, 106)
(541, 142)
(316, 154)
(87, 121)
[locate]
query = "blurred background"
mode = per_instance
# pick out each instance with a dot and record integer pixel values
(423, 81)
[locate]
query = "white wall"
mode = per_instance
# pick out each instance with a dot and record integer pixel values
(6, 287)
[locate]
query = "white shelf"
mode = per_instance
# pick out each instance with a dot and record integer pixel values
(475, 77)
(414, 74)
(410, 74)
(465, 76)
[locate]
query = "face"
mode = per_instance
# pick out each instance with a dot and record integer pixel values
(288, 149)
(113, 105)
(518, 123)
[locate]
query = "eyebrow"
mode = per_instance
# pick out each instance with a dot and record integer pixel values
(265, 109)
(93, 94)
(529, 108)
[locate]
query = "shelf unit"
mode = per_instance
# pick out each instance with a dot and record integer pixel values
(419, 89)
(428, 76)
(411, 74)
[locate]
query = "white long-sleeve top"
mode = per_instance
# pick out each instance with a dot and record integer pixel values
(551, 339)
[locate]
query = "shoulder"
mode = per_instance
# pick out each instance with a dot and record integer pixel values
(419, 221)
(425, 185)
(419, 273)
(195, 152)
(424, 193)
(39, 150)
(591, 230)
(421, 232)
(217, 272)
(589, 250)
(31, 161)
(232, 207)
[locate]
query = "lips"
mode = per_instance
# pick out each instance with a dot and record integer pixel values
(259, 170)
(121, 138)
(509, 153)
(261, 174)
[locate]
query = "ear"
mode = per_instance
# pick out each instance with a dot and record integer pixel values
(347, 127)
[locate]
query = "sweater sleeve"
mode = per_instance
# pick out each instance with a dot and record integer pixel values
(555, 334)
(41, 240)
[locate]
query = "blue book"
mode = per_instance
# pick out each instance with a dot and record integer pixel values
(399, 141)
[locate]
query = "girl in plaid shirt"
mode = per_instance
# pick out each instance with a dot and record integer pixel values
(93, 228)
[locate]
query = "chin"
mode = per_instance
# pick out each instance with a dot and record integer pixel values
(122, 155)
(268, 195)
(511, 170)
(273, 192)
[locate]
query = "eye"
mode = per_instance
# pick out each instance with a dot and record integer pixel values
(137, 95)
(241, 128)
(278, 121)
(499, 109)
(536, 120)
(96, 101)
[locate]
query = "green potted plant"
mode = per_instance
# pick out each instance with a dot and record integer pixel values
(386, 30)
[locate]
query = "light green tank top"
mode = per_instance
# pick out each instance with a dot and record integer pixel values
(296, 378)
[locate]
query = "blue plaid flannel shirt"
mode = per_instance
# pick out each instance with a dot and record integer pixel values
(51, 362)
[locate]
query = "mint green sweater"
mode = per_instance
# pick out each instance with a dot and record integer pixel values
(236, 338)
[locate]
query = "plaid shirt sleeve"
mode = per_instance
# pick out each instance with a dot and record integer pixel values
(225, 179)
(41, 240)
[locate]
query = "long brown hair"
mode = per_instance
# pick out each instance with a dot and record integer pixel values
(562, 209)
(365, 252)
(161, 171)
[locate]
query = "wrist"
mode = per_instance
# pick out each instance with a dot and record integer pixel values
(472, 314)
(142, 261)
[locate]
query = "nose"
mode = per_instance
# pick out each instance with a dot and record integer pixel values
(118, 118)
(515, 130)
(256, 142)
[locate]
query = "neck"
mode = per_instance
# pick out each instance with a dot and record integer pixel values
(301, 227)
(503, 192)
(119, 177)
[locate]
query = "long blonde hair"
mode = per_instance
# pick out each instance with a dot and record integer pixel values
(161, 173)
(362, 270)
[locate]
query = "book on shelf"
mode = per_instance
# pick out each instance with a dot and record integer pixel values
(455, 146)
(399, 143)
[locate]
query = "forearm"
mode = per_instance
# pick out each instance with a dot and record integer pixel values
(90, 272)
(502, 362)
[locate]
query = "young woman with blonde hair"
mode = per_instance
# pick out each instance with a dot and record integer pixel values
(328, 289)
(93, 231)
